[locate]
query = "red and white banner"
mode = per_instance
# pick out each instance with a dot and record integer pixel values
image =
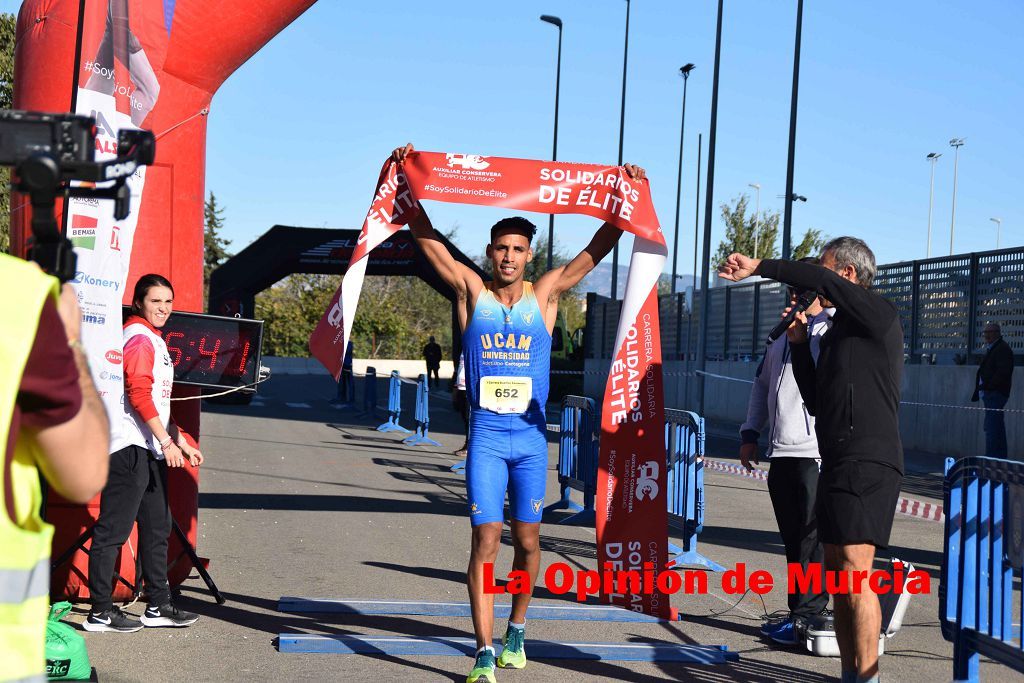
(632, 523)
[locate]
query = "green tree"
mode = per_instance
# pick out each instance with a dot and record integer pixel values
(810, 245)
(214, 246)
(8, 24)
(740, 232)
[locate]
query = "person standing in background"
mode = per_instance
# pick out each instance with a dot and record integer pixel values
(992, 385)
(432, 355)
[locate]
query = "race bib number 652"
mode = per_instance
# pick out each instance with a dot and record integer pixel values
(507, 395)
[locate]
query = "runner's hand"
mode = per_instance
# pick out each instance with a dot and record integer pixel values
(398, 156)
(174, 456)
(635, 172)
(748, 454)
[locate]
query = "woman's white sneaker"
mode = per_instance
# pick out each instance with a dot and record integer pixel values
(167, 615)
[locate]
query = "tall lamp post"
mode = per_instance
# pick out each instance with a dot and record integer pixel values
(622, 128)
(787, 221)
(757, 215)
(709, 196)
(933, 157)
(554, 21)
(685, 71)
(956, 144)
(999, 226)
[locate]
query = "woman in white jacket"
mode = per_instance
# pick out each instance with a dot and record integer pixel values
(148, 443)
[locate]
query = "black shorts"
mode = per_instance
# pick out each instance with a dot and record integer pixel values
(857, 502)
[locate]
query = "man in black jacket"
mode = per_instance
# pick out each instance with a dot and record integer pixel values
(992, 386)
(854, 394)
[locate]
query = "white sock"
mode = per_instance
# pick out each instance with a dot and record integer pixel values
(521, 626)
(486, 647)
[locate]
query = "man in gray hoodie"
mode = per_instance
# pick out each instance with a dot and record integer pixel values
(776, 404)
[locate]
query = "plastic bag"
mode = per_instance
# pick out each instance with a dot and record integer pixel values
(66, 656)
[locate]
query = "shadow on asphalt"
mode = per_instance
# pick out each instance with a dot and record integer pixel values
(261, 614)
(434, 504)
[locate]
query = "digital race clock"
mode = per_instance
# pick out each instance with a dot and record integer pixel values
(211, 350)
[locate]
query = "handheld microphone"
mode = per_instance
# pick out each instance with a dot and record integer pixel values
(803, 302)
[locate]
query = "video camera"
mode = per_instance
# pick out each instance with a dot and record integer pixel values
(48, 152)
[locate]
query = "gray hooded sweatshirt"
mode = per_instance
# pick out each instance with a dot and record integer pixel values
(776, 403)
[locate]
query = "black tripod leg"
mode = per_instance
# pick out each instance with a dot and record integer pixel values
(72, 549)
(198, 564)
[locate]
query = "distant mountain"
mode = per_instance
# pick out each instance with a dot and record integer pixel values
(599, 280)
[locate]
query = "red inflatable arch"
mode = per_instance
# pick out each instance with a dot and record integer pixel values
(191, 47)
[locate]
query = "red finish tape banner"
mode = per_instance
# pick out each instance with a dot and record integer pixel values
(632, 523)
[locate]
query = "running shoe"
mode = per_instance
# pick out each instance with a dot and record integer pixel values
(112, 620)
(167, 615)
(513, 653)
(784, 633)
(771, 624)
(483, 668)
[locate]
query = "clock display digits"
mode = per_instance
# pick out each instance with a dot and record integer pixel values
(211, 353)
(174, 349)
(245, 357)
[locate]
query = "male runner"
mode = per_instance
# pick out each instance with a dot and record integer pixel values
(506, 328)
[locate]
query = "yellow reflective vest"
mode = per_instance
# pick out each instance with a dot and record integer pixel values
(25, 540)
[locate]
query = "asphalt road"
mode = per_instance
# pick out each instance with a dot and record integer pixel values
(298, 498)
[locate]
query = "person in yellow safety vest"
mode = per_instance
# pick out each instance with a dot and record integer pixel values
(51, 421)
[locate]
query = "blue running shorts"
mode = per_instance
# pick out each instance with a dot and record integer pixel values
(506, 452)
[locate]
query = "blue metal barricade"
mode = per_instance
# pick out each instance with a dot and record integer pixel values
(394, 406)
(982, 558)
(684, 446)
(422, 436)
(577, 459)
(369, 393)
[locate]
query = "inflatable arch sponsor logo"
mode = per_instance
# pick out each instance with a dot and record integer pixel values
(113, 356)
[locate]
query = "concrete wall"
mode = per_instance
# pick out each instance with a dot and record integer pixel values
(953, 431)
(310, 366)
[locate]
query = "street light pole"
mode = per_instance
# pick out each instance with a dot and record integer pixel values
(685, 71)
(622, 128)
(709, 197)
(757, 215)
(933, 157)
(956, 144)
(787, 223)
(999, 226)
(554, 21)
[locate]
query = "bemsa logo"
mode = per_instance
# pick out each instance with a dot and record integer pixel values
(647, 481)
(119, 170)
(470, 162)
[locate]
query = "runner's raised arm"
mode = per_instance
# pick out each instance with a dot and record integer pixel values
(458, 276)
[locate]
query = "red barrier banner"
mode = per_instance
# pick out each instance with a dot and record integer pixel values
(632, 522)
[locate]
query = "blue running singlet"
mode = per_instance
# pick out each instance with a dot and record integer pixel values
(508, 363)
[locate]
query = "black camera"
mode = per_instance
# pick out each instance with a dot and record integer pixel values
(48, 152)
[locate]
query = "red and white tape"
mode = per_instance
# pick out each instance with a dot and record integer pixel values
(904, 506)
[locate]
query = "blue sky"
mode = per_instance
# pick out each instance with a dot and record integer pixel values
(298, 134)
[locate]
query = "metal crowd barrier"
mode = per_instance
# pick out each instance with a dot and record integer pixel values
(394, 405)
(684, 445)
(369, 393)
(422, 437)
(982, 560)
(577, 459)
